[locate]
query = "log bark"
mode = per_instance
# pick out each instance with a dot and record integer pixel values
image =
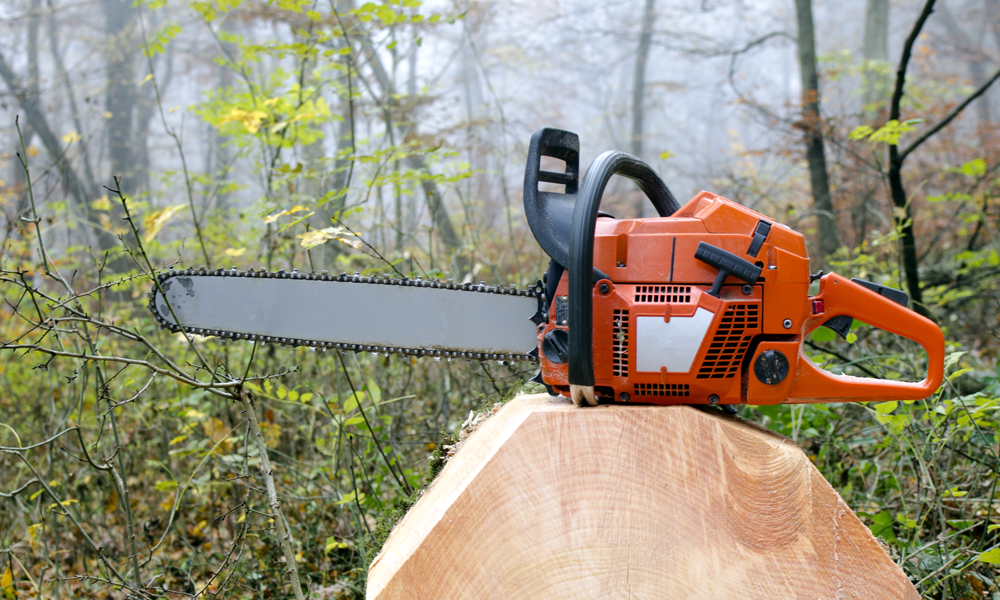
(548, 500)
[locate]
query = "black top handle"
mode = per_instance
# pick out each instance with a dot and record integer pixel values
(550, 214)
(581, 251)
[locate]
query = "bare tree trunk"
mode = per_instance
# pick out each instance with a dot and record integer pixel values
(899, 199)
(81, 191)
(323, 256)
(28, 132)
(977, 60)
(144, 113)
(53, 33)
(829, 240)
(120, 90)
(875, 50)
(639, 88)
(904, 216)
(439, 213)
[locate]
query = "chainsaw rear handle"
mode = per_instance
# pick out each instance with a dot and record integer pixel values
(839, 296)
(581, 251)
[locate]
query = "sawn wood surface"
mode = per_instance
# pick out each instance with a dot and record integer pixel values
(548, 500)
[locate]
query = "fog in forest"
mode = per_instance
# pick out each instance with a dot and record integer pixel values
(389, 139)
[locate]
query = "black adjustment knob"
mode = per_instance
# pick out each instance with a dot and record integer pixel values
(771, 367)
(728, 264)
(555, 346)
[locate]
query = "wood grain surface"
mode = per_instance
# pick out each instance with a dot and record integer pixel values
(548, 500)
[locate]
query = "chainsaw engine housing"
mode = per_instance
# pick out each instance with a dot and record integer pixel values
(659, 336)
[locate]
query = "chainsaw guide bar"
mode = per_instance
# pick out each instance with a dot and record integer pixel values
(382, 315)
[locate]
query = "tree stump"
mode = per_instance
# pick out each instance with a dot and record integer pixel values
(548, 500)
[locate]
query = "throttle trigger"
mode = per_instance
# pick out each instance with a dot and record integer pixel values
(728, 264)
(841, 324)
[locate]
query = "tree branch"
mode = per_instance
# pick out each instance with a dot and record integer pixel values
(904, 61)
(949, 118)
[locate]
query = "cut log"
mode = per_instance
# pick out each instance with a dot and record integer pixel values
(548, 500)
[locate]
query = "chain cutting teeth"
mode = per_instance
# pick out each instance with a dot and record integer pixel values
(532, 292)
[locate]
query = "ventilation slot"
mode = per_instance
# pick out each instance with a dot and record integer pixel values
(619, 344)
(677, 294)
(730, 342)
(659, 389)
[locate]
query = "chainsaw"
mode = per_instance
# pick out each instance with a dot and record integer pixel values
(708, 303)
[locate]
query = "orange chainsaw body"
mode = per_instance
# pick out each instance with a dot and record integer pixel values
(659, 337)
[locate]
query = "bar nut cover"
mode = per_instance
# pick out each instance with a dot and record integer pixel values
(771, 367)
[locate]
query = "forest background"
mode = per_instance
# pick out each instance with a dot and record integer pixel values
(389, 137)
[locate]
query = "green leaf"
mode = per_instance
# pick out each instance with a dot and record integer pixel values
(852, 337)
(962, 523)
(895, 423)
(891, 131)
(884, 408)
(333, 544)
(954, 492)
(905, 521)
(351, 496)
(860, 132)
(991, 556)
(952, 359)
(823, 334)
(958, 373)
(353, 401)
(354, 421)
(165, 486)
(992, 528)
(974, 168)
(882, 526)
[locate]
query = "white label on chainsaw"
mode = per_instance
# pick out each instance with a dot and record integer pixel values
(672, 344)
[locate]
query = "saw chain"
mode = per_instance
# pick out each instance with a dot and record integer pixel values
(535, 291)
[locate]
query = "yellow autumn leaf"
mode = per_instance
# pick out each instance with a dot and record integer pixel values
(315, 237)
(217, 431)
(32, 151)
(153, 223)
(33, 535)
(147, 78)
(272, 433)
(234, 252)
(251, 119)
(71, 137)
(107, 115)
(290, 211)
(112, 503)
(7, 582)
(102, 203)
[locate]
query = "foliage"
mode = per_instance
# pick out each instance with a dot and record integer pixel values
(127, 457)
